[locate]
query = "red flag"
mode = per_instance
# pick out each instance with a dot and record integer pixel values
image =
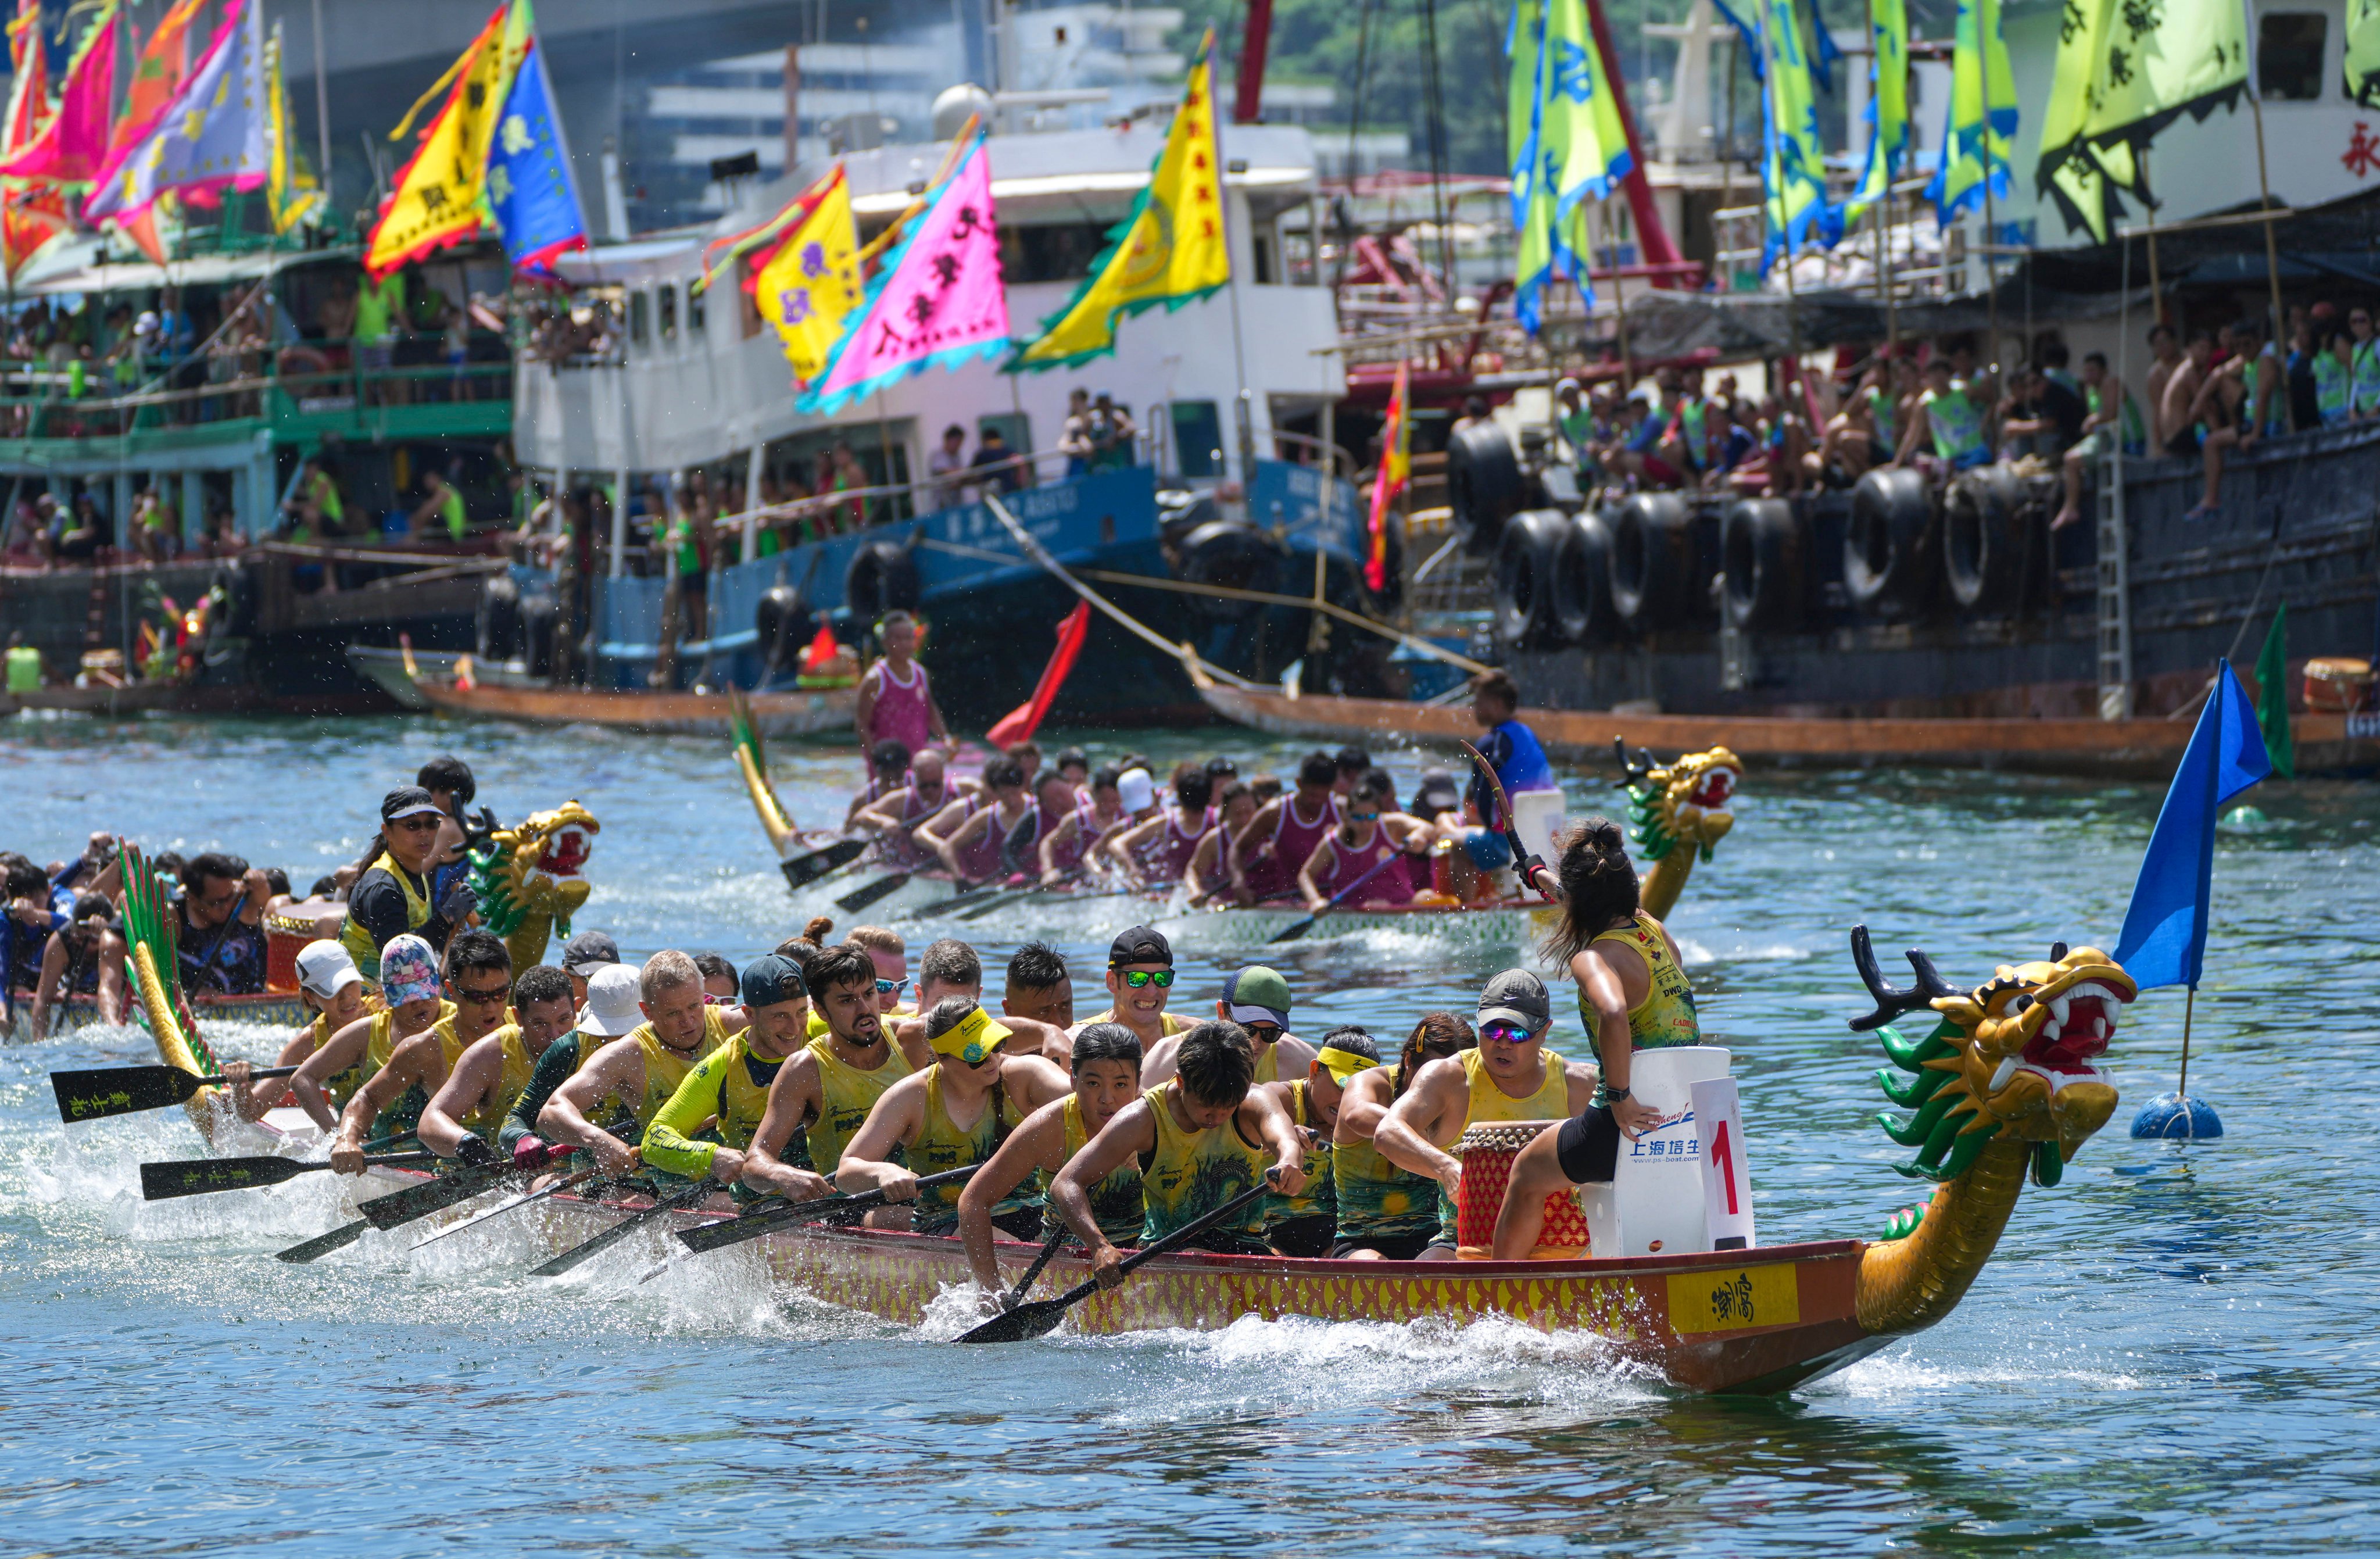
(821, 650)
(1020, 722)
(1396, 470)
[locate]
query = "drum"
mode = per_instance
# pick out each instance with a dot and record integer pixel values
(1488, 1152)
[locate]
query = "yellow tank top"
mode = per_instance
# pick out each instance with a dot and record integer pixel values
(943, 1143)
(1550, 1102)
(400, 1117)
(730, 1086)
(1665, 1017)
(665, 1068)
(1116, 1204)
(1269, 1065)
(346, 1085)
(511, 1082)
(1316, 1201)
(1167, 1023)
(1377, 1200)
(359, 941)
(846, 1095)
(1190, 1173)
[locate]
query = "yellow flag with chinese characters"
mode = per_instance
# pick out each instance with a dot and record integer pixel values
(1169, 251)
(808, 285)
(441, 197)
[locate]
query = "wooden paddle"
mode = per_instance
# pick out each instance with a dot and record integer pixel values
(803, 870)
(1042, 1316)
(588, 1250)
(124, 1091)
(503, 1207)
(193, 1177)
(1296, 929)
(752, 1225)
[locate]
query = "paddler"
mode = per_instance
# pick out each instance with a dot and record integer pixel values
(392, 897)
(893, 817)
(1268, 852)
(638, 1074)
(1207, 875)
(608, 1010)
(1039, 988)
(83, 958)
(1512, 1076)
(329, 1081)
(729, 1089)
(822, 1097)
(479, 988)
(217, 929)
(1106, 1067)
(329, 986)
(1200, 1139)
(464, 1116)
(1385, 1212)
(896, 701)
(969, 837)
(1632, 996)
(954, 1113)
(1259, 1000)
(582, 955)
(1087, 820)
(888, 764)
(890, 955)
(1370, 832)
(1305, 1224)
(1140, 979)
(1155, 850)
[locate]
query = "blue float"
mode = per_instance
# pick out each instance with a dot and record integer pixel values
(2176, 1117)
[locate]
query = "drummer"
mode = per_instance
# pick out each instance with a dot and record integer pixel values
(1257, 999)
(1512, 1076)
(1632, 994)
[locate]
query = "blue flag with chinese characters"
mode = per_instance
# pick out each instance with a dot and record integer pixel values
(530, 192)
(2164, 940)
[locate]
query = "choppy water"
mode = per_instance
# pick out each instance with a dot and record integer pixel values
(2171, 1353)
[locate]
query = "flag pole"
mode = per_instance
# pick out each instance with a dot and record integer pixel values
(2263, 187)
(2188, 1006)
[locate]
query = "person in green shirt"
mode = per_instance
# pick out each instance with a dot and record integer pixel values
(380, 304)
(441, 508)
(24, 666)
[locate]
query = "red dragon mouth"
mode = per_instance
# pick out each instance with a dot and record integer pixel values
(566, 854)
(1714, 790)
(2078, 1026)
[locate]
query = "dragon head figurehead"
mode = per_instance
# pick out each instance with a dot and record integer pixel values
(1680, 803)
(2004, 1083)
(531, 878)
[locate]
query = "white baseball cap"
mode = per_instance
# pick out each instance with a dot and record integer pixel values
(1135, 789)
(325, 968)
(611, 1009)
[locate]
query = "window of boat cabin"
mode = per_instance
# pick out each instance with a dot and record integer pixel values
(1056, 252)
(2289, 54)
(640, 318)
(667, 298)
(1197, 438)
(1260, 250)
(697, 315)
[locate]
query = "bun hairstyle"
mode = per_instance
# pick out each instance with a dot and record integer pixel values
(802, 948)
(821, 926)
(1598, 885)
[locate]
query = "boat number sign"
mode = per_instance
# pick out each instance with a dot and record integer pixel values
(1727, 1174)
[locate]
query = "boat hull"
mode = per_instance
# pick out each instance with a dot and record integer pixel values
(1489, 926)
(701, 714)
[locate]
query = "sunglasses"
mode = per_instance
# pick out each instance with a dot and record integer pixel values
(1505, 1034)
(493, 996)
(1264, 1033)
(891, 987)
(419, 823)
(1142, 979)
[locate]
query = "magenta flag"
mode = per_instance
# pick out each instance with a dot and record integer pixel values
(72, 146)
(938, 301)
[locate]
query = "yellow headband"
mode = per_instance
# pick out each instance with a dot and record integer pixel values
(972, 1038)
(1342, 1064)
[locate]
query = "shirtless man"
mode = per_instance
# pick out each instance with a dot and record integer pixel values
(2165, 352)
(479, 980)
(1257, 999)
(463, 1117)
(638, 1072)
(1512, 1076)
(2176, 406)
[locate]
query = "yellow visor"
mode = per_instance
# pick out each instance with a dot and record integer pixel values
(972, 1040)
(1342, 1064)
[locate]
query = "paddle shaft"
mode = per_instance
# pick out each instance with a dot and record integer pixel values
(522, 1200)
(1504, 813)
(1015, 1296)
(587, 1250)
(1292, 932)
(735, 1231)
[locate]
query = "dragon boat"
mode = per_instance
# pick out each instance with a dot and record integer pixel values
(2002, 1088)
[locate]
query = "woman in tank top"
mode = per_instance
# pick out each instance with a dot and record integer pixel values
(1370, 832)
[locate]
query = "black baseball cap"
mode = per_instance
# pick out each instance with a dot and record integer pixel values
(589, 950)
(408, 801)
(1141, 945)
(772, 978)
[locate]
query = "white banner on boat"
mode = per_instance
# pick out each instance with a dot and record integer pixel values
(1727, 1174)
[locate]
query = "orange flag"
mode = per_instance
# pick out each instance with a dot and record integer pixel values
(1396, 468)
(1019, 723)
(157, 75)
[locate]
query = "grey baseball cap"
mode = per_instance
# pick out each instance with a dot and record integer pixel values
(589, 950)
(1517, 997)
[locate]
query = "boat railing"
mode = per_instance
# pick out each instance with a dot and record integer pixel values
(35, 402)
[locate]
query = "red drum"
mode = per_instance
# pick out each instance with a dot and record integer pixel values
(1488, 1152)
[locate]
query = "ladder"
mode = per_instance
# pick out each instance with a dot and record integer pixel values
(2115, 591)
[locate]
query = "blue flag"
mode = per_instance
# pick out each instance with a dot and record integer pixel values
(1750, 40)
(530, 189)
(2164, 942)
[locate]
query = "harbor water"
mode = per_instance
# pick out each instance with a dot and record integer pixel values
(2172, 1352)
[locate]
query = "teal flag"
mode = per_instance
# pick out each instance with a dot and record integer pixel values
(1566, 143)
(2272, 696)
(1981, 127)
(1793, 167)
(1887, 109)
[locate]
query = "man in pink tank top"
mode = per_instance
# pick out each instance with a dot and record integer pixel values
(1268, 854)
(896, 701)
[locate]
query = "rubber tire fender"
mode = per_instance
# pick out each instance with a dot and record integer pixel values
(1483, 485)
(1235, 554)
(1763, 550)
(1651, 562)
(1986, 525)
(1528, 558)
(1582, 593)
(242, 590)
(781, 623)
(1889, 544)
(498, 627)
(883, 576)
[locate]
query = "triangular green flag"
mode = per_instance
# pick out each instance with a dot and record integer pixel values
(2272, 696)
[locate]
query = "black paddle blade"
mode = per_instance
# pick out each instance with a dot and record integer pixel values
(1037, 1320)
(1291, 933)
(803, 870)
(419, 1201)
(588, 1250)
(195, 1177)
(323, 1245)
(883, 887)
(122, 1090)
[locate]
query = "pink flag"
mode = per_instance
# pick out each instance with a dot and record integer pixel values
(74, 143)
(938, 300)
